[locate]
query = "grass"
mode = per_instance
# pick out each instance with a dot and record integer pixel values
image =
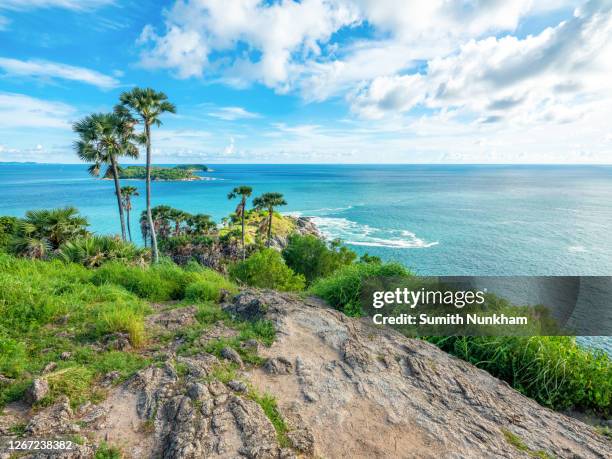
(553, 370)
(520, 445)
(106, 451)
(269, 405)
(342, 290)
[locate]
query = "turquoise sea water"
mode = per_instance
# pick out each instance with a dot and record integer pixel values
(436, 219)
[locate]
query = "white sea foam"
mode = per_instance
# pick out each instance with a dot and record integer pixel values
(577, 248)
(354, 233)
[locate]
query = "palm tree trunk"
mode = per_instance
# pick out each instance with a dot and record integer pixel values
(148, 184)
(118, 193)
(270, 227)
(128, 224)
(243, 248)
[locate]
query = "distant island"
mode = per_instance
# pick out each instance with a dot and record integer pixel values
(183, 173)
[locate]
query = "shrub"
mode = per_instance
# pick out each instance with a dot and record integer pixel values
(554, 370)
(42, 231)
(342, 289)
(8, 226)
(93, 251)
(266, 269)
(314, 258)
(74, 382)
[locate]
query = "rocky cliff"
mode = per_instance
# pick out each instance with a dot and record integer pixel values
(343, 389)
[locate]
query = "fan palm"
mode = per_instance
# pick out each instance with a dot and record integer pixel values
(244, 192)
(103, 138)
(147, 105)
(42, 231)
(126, 195)
(269, 201)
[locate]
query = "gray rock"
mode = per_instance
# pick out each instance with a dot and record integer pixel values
(237, 386)
(278, 366)
(38, 390)
(65, 355)
(49, 367)
(230, 354)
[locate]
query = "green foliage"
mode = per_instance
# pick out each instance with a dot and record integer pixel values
(342, 289)
(74, 382)
(192, 167)
(553, 370)
(8, 227)
(268, 404)
(93, 251)
(51, 306)
(157, 173)
(42, 231)
(106, 451)
(312, 257)
(266, 269)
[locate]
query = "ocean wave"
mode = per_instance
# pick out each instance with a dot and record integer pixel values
(354, 233)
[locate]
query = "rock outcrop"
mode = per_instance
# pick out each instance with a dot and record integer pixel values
(343, 388)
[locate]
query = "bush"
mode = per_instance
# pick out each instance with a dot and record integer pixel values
(342, 290)
(93, 251)
(8, 227)
(554, 370)
(266, 269)
(312, 257)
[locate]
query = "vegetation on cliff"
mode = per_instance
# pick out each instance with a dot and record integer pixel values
(157, 173)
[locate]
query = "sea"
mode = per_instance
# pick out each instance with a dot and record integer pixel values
(472, 220)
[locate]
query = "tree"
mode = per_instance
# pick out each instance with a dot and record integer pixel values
(269, 201)
(147, 105)
(244, 192)
(126, 194)
(103, 138)
(200, 224)
(314, 258)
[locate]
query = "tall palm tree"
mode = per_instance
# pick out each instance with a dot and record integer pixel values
(244, 192)
(269, 201)
(147, 105)
(126, 194)
(103, 138)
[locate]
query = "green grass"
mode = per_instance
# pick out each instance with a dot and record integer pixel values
(106, 451)
(554, 370)
(342, 290)
(268, 404)
(519, 444)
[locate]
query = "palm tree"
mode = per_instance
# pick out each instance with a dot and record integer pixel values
(126, 193)
(200, 224)
(178, 216)
(269, 201)
(103, 137)
(147, 105)
(42, 231)
(244, 192)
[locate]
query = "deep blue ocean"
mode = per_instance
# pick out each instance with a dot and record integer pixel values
(435, 219)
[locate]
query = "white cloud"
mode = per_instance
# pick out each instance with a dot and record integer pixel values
(549, 77)
(19, 5)
(233, 113)
(52, 70)
(4, 22)
(18, 110)
(230, 148)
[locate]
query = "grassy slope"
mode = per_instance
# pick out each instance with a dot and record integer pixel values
(282, 226)
(49, 307)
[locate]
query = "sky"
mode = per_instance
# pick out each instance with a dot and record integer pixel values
(316, 81)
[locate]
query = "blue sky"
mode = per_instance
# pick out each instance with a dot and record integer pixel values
(346, 81)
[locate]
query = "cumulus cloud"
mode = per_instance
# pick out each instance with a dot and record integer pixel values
(53, 70)
(541, 77)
